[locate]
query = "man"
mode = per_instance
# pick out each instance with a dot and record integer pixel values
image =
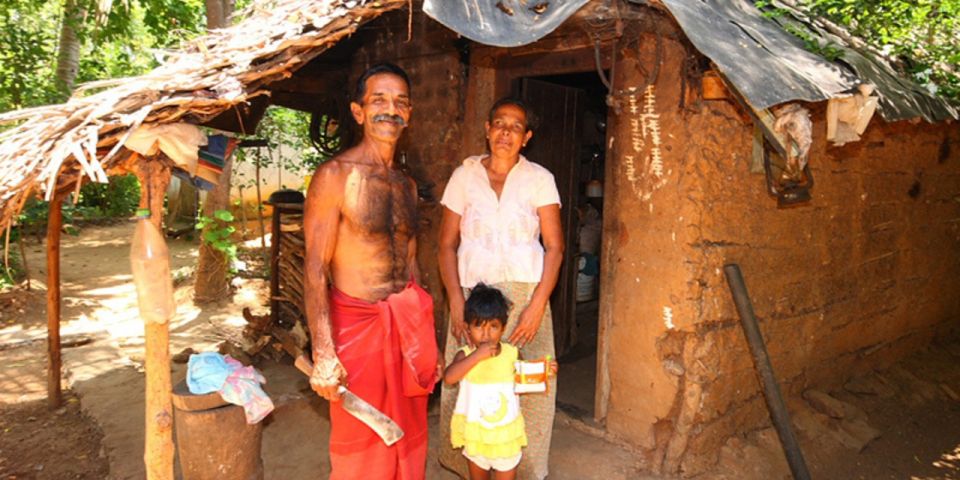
(371, 325)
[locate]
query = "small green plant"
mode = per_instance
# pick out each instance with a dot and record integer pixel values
(10, 275)
(217, 232)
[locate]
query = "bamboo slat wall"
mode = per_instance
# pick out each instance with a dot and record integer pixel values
(285, 329)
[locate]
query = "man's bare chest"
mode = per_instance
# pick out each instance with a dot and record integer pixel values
(379, 203)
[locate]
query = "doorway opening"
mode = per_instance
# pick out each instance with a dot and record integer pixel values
(570, 140)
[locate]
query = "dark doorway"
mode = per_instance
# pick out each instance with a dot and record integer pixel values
(569, 141)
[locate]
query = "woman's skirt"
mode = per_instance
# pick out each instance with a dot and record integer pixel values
(537, 408)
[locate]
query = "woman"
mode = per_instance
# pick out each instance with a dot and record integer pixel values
(497, 207)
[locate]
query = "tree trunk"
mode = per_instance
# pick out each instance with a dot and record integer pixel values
(23, 259)
(211, 279)
(54, 222)
(218, 13)
(243, 215)
(68, 53)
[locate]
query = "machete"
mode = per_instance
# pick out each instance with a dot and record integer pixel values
(382, 425)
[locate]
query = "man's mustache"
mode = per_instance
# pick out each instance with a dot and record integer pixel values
(386, 117)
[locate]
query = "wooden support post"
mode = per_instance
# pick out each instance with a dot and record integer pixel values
(274, 263)
(54, 223)
(154, 176)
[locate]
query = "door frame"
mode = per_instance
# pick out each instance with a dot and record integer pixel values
(563, 301)
(491, 74)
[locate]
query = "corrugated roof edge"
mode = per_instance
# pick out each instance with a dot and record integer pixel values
(901, 98)
(770, 66)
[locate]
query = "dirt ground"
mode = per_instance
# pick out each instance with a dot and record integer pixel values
(58, 444)
(897, 423)
(903, 422)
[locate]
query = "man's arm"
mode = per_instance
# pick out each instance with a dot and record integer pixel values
(321, 220)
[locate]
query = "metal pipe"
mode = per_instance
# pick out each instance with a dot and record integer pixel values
(761, 361)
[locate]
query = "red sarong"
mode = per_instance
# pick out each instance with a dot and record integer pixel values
(389, 350)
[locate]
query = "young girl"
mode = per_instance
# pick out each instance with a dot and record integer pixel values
(487, 422)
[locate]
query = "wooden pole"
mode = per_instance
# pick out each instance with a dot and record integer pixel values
(274, 264)
(23, 259)
(768, 380)
(263, 230)
(154, 176)
(54, 223)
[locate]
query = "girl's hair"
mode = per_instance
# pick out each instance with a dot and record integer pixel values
(485, 304)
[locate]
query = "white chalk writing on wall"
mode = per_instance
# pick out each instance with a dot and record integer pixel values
(668, 318)
(645, 143)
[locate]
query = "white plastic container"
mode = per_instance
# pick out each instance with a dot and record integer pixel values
(150, 264)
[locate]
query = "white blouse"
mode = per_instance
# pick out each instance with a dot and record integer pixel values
(499, 239)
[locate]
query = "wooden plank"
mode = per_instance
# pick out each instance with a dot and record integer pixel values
(54, 363)
(756, 158)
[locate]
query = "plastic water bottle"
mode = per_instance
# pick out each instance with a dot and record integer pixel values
(150, 264)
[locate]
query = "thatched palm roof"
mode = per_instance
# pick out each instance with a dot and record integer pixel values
(57, 147)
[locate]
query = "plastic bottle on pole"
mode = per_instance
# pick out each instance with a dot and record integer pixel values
(150, 264)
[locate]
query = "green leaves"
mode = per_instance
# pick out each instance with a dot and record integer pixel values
(922, 37)
(224, 215)
(117, 198)
(28, 34)
(122, 45)
(289, 147)
(216, 233)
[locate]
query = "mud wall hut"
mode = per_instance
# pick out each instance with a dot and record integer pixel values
(857, 277)
(854, 279)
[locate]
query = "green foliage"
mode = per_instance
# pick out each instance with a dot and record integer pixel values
(118, 198)
(924, 35)
(28, 34)
(121, 45)
(12, 273)
(97, 201)
(291, 128)
(289, 148)
(921, 37)
(216, 233)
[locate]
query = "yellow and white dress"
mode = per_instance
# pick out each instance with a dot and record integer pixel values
(486, 420)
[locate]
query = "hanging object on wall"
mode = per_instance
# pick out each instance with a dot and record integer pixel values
(329, 131)
(782, 142)
(502, 23)
(793, 123)
(789, 190)
(848, 117)
(325, 134)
